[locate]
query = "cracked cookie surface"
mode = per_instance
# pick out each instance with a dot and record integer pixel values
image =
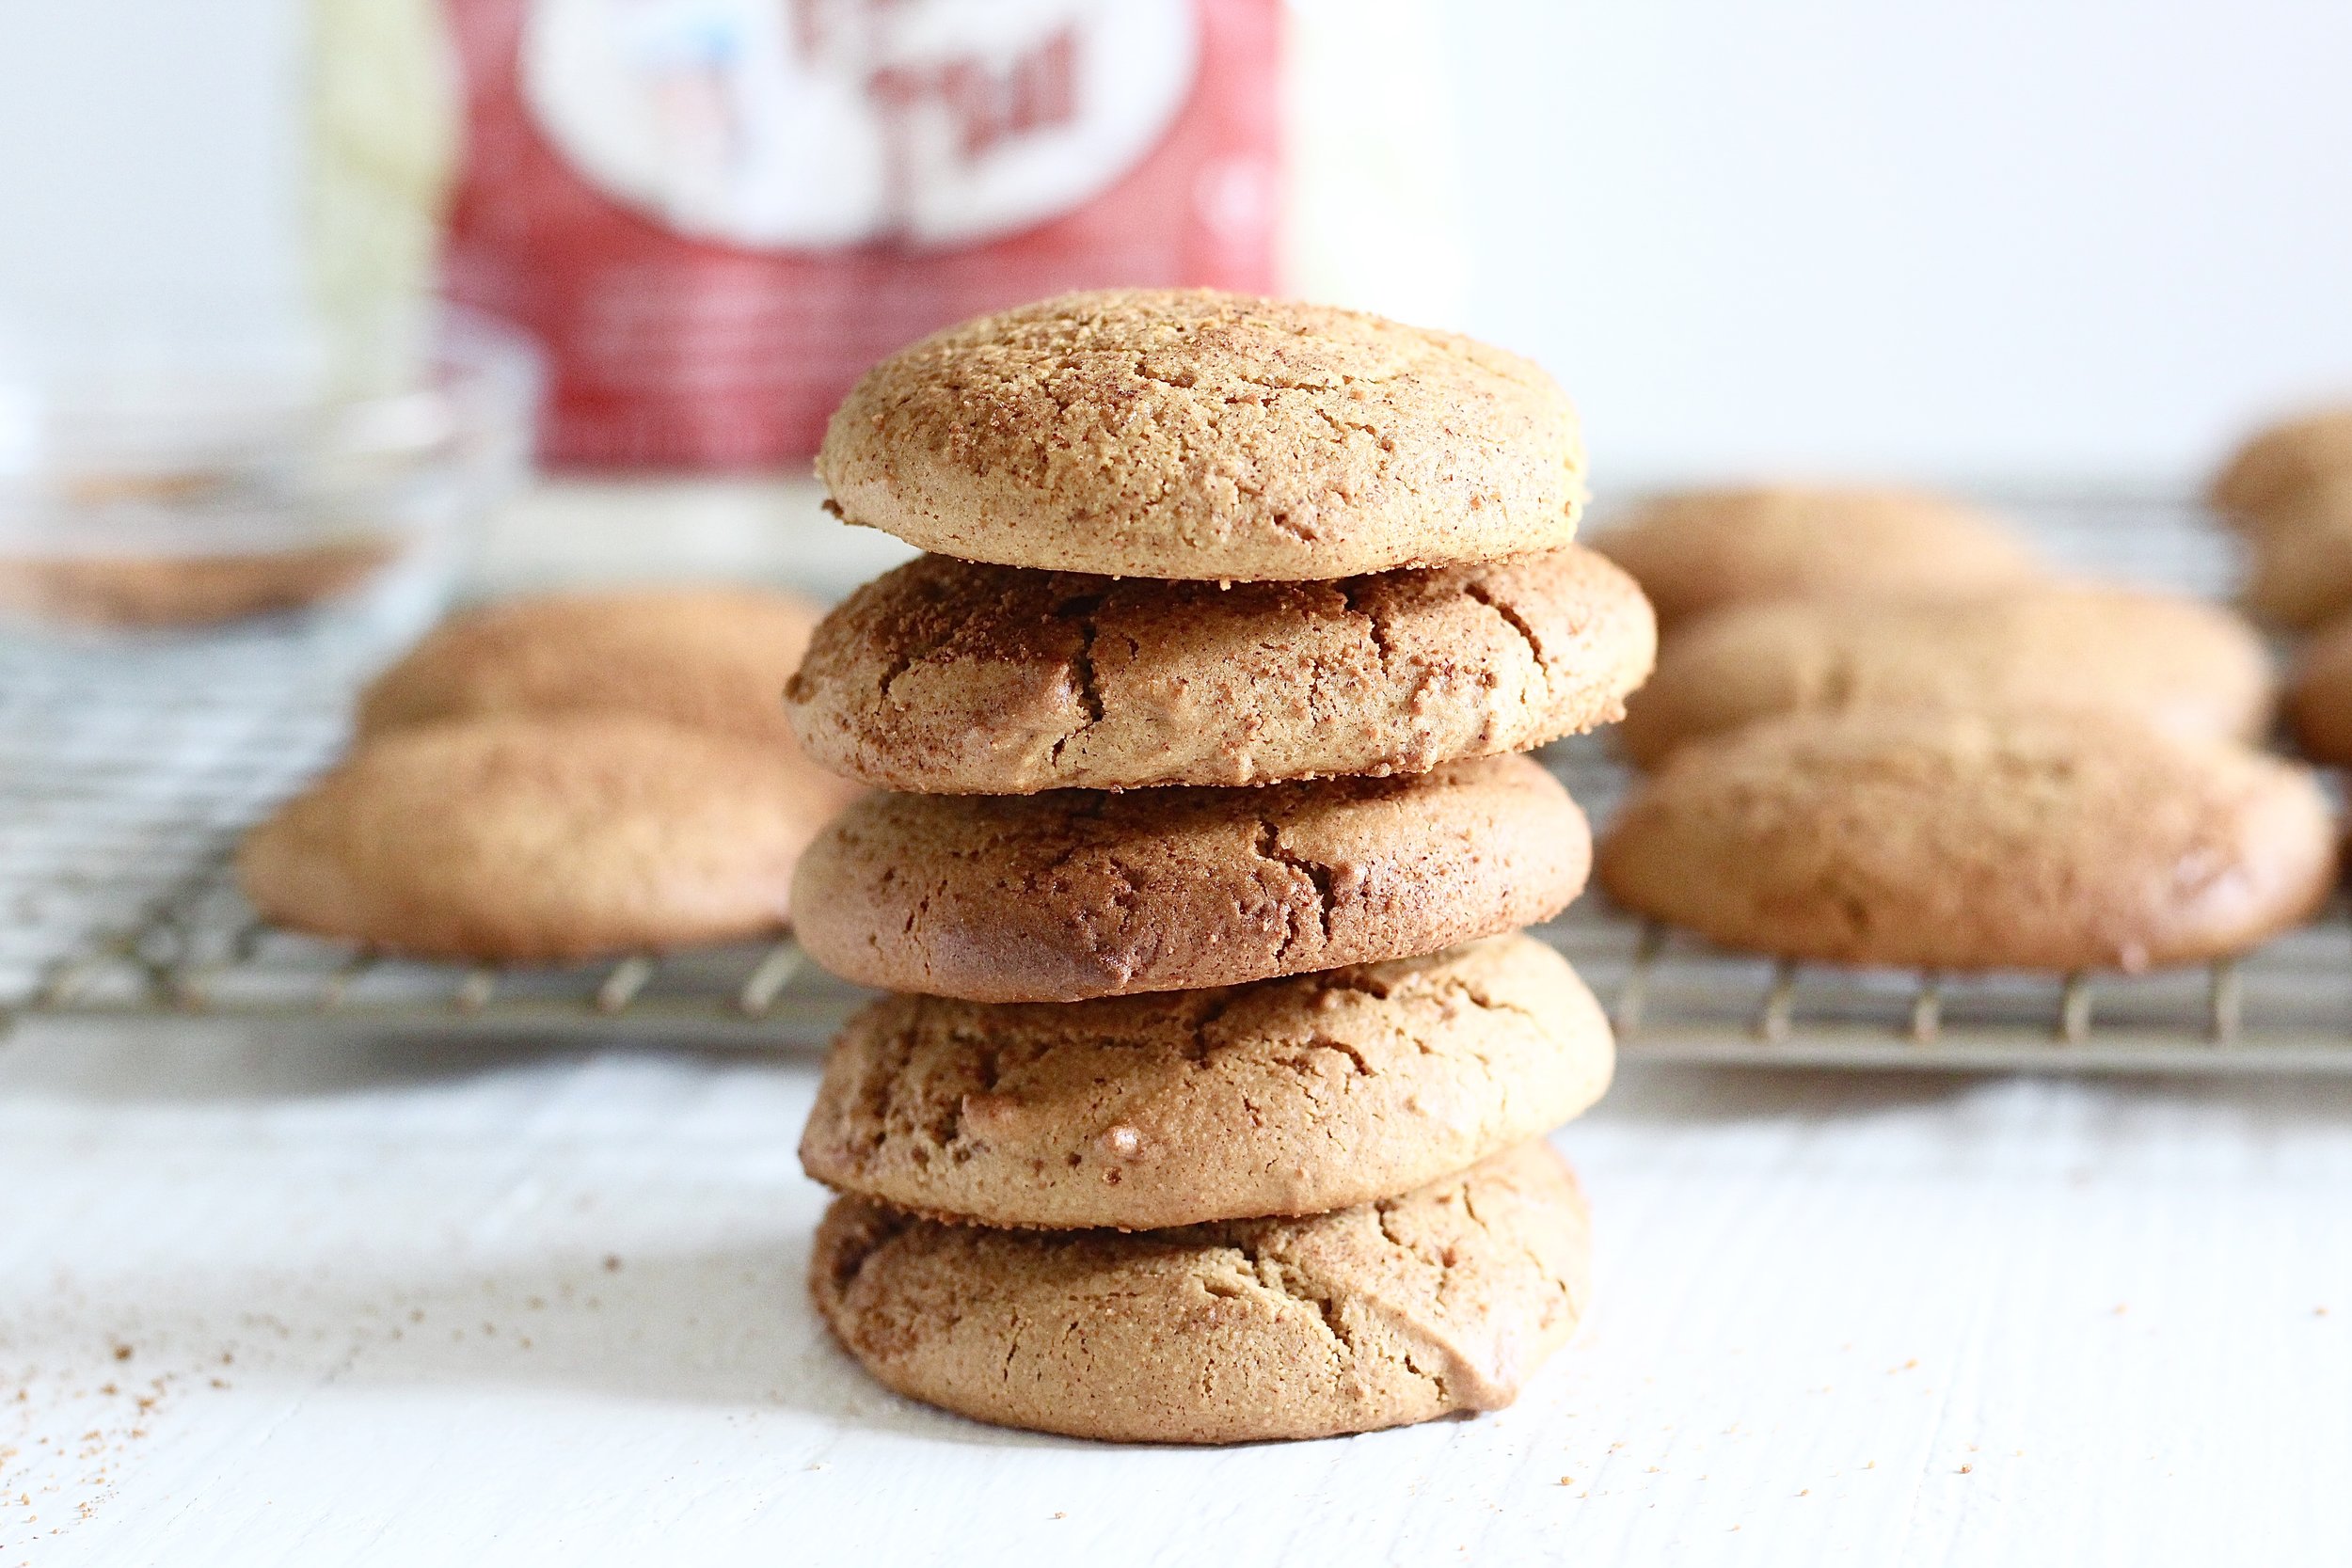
(1078, 893)
(2025, 840)
(951, 677)
(1197, 434)
(1287, 1097)
(1446, 1299)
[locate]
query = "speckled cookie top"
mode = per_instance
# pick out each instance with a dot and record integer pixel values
(2028, 841)
(950, 677)
(1702, 549)
(711, 657)
(1190, 433)
(1288, 1097)
(2185, 665)
(1077, 894)
(1446, 1299)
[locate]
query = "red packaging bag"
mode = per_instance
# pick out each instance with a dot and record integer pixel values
(715, 214)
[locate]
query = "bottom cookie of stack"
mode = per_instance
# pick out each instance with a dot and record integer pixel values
(1444, 1299)
(1289, 1209)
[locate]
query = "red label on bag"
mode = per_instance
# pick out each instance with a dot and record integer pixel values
(716, 213)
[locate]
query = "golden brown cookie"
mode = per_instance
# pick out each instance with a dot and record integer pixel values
(2319, 700)
(1703, 549)
(1288, 1097)
(186, 591)
(712, 658)
(1077, 894)
(2183, 665)
(2277, 463)
(947, 677)
(548, 837)
(2302, 558)
(2024, 841)
(1447, 1299)
(1188, 434)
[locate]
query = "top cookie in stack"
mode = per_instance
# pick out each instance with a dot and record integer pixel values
(1207, 437)
(1189, 542)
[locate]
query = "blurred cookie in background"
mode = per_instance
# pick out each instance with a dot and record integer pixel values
(2319, 697)
(2300, 570)
(709, 658)
(1703, 549)
(2185, 665)
(2266, 478)
(1962, 843)
(134, 591)
(539, 838)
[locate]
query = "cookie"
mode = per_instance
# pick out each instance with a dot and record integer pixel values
(1188, 434)
(1707, 548)
(2301, 573)
(947, 677)
(1077, 894)
(2265, 476)
(529, 838)
(711, 658)
(2181, 664)
(157, 590)
(2319, 701)
(1447, 1299)
(1288, 1097)
(1953, 842)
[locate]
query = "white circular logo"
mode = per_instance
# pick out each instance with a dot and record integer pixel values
(821, 123)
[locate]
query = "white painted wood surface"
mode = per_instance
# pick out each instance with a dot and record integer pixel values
(272, 1301)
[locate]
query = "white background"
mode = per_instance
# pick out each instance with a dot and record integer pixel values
(1987, 240)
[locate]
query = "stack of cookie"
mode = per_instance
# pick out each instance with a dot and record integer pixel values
(1209, 1104)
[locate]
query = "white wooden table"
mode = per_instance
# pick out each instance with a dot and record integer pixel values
(272, 1301)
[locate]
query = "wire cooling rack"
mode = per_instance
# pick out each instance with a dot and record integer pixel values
(128, 770)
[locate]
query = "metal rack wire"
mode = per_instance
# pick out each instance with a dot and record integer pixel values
(127, 772)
